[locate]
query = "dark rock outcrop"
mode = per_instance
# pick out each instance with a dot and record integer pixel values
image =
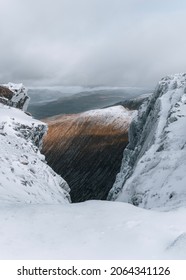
(5, 95)
(14, 95)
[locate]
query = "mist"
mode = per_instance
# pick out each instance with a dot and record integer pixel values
(91, 42)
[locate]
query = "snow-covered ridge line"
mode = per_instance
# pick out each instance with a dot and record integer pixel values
(24, 175)
(104, 115)
(154, 163)
(117, 116)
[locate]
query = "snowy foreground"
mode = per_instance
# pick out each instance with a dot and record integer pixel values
(91, 230)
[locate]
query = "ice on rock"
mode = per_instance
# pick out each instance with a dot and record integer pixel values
(153, 169)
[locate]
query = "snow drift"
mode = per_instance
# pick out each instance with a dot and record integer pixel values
(24, 175)
(153, 170)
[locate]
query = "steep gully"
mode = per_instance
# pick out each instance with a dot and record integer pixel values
(86, 149)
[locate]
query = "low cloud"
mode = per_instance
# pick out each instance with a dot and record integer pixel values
(80, 42)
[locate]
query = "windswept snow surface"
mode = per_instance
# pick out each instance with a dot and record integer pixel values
(91, 230)
(153, 172)
(24, 175)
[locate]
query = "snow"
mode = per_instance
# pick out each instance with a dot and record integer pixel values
(24, 175)
(117, 116)
(153, 171)
(91, 230)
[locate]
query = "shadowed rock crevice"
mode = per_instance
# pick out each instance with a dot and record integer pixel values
(86, 150)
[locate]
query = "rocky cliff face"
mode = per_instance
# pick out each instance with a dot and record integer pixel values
(24, 175)
(153, 170)
(14, 95)
(86, 149)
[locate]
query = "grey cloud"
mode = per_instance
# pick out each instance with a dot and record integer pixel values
(91, 42)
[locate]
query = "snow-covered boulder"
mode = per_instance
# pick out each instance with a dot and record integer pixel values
(14, 95)
(24, 175)
(153, 170)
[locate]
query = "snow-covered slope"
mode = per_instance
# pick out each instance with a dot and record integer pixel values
(117, 116)
(24, 175)
(154, 163)
(91, 230)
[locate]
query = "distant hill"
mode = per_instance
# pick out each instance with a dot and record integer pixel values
(46, 103)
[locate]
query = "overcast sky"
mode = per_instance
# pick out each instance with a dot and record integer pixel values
(91, 42)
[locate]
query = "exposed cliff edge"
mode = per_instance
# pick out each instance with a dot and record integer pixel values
(86, 149)
(153, 170)
(24, 175)
(14, 95)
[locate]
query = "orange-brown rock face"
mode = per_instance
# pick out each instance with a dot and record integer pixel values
(86, 149)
